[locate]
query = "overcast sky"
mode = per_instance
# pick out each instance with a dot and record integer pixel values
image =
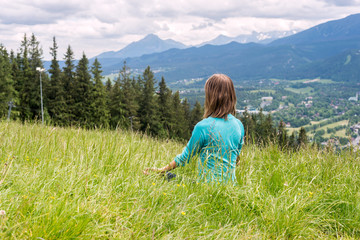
(95, 26)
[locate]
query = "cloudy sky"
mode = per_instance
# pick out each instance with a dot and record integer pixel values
(95, 26)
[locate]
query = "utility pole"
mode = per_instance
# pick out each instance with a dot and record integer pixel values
(131, 122)
(11, 105)
(42, 106)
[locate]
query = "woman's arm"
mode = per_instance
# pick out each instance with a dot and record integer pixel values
(192, 148)
(168, 167)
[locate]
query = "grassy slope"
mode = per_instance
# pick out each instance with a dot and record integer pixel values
(263, 91)
(325, 81)
(70, 183)
(305, 90)
(340, 133)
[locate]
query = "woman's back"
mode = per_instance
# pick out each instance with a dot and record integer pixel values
(218, 138)
(218, 141)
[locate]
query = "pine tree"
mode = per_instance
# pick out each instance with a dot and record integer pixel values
(15, 71)
(187, 119)
(136, 88)
(292, 143)
(35, 62)
(17, 81)
(179, 118)
(148, 110)
(259, 130)
(302, 139)
(99, 109)
(129, 100)
(282, 136)
(115, 104)
(29, 92)
(35, 53)
(166, 110)
(249, 125)
(196, 115)
(7, 90)
(68, 81)
(108, 86)
(55, 93)
(82, 92)
(269, 130)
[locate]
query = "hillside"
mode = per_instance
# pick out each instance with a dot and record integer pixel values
(236, 60)
(336, 30)
(72, 183)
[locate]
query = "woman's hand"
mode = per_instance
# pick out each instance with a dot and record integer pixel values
(156, 170)
(168, 167)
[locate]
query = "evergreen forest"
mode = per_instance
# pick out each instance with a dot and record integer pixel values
(76, 95)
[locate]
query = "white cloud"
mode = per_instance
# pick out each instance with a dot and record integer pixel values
(343, 2)
(95, 26)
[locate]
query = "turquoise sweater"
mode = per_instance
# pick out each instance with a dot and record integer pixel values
(218, 142)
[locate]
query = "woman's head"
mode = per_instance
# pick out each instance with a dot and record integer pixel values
(220, 97)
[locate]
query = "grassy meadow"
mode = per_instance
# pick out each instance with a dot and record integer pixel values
(339, 133)
(68, 183)
(306, 90)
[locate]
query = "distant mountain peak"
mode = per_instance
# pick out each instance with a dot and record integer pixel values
(151, 43)
(151, 36)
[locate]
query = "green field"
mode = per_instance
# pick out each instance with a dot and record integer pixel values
(324, 81)
(340, 133)
(264, 91)
(305, 90)
(80, 184)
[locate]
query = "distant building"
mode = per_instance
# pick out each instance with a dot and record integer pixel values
(354, 99)
(250, 110)
(264, 104)
(355, 143)
(355, 128)
(267, 99)
(284, 97)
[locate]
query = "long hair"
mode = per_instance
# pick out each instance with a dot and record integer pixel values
(220, 97)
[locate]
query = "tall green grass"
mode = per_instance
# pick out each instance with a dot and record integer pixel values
(73, 183)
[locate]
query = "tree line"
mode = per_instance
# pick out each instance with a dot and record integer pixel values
(75, 95)
(261, 130)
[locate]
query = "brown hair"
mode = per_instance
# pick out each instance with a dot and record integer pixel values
(220, 97)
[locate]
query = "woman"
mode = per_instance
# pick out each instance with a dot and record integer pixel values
(218, 138)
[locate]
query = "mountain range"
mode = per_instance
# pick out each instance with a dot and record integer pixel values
(256, 37)
(328, 50)
(153, 44)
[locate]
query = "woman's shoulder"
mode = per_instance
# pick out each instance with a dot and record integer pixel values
(240, 124)
(205, 122)
(210, 121)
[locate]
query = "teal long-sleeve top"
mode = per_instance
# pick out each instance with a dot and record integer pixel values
(218, 143)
